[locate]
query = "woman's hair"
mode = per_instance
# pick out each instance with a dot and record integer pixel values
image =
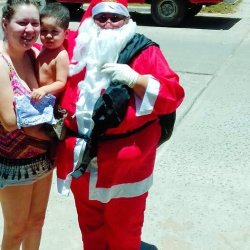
(8, 9)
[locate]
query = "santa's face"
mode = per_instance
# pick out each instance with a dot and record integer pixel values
(96, 46)
(110, 20)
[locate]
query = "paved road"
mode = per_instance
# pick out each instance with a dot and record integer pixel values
(200, 198)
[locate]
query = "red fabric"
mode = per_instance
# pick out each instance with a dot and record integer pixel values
(114, 225)
(69, 42)
(170, 96)
(144, 143)
(65, 162)
(123, 2)
(65, 157)
(38, 46)
(117, 224)
(127, 160)
(69, 99)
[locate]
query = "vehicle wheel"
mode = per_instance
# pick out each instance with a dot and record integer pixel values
(193, 10)
(168, 12)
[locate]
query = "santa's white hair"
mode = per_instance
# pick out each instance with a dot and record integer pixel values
(95, 47)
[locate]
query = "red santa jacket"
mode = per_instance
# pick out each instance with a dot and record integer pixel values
(124, 166)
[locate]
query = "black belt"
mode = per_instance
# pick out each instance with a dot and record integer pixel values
(124, 135)
(110, 137)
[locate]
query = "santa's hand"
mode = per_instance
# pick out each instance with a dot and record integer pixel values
(122, 73)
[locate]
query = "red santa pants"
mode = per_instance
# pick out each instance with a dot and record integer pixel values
(115, 225)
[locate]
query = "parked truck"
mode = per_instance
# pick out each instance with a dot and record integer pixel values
(163, 12)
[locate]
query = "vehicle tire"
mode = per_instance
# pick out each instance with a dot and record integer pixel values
(193, 10)
(168, 12)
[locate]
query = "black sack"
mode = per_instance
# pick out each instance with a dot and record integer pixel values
(138, 43)
(111, 106)
(109, 110)
(167, 126)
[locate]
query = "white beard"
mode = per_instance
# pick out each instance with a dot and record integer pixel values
(95, 47)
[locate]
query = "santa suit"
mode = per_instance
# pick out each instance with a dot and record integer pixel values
(110, 197)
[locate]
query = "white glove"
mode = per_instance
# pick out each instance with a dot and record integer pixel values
(121, 73)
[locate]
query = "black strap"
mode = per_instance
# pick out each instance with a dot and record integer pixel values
(123, 135)
(133, 48)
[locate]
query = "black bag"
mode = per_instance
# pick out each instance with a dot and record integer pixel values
(138, 43)
(167, 126)
(111, 107)
(109, 110)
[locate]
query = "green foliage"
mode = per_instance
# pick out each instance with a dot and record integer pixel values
(222, 8)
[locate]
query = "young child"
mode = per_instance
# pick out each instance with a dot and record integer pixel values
(52, 63)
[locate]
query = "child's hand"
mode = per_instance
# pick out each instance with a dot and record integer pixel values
(38, 94)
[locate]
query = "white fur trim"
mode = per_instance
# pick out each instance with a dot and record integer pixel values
(125, 190)
(110, 7)
(63, 186)
(145, 106)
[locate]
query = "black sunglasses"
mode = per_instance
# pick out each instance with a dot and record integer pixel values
(114, 18)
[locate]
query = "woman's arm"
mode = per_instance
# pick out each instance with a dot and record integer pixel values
(7, 112)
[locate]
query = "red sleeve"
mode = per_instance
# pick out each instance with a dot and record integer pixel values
(69, 42)
(152, 62)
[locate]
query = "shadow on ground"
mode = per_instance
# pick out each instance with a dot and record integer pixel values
(210, 23)
(197, 22)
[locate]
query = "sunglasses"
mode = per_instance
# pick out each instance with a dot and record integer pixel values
(114, 18)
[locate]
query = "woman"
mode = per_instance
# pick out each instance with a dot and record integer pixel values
(25, 168)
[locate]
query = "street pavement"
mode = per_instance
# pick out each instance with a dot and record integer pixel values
(200, 197)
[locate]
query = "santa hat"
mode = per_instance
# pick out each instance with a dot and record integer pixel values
(95, 7)
(116, 7)
(106, 6)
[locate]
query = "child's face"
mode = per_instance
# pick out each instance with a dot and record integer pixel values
(52, 36)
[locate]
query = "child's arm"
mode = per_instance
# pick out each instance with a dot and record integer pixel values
(62, 65)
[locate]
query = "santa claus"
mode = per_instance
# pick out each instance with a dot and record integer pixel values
(110, 196)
